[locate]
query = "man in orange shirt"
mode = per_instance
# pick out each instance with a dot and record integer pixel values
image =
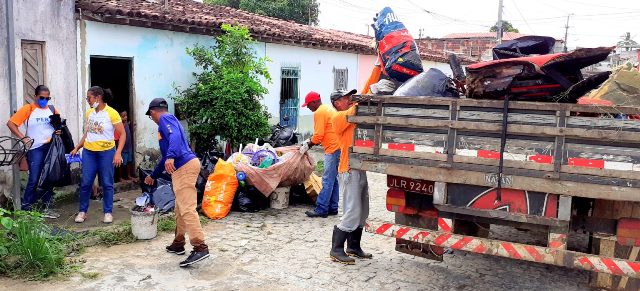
(323, 134)
(353, 186)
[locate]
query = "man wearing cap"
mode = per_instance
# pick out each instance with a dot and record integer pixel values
(353, 186)
(323, 134)
(182, 164)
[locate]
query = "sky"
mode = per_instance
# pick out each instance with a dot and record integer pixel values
(592, 23)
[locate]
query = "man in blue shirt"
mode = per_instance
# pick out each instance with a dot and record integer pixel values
(182, 164)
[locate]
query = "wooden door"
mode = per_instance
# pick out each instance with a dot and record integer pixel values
(33, 68)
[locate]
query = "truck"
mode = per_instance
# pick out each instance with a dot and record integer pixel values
(456, 167)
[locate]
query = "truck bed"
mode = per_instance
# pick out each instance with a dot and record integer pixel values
(550, 147)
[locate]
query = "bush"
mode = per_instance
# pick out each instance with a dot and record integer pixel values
(27, 248)
(225, 99)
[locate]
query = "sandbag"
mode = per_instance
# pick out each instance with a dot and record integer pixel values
(430, 83)
(293, 168)
(396, 48)
(219, 191)
(56, 172)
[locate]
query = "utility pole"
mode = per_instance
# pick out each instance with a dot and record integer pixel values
(499, 28)
(566, 33)
(420, 33)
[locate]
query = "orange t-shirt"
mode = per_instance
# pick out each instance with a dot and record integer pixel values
(323, 132)
(345, 131)
(37, 121)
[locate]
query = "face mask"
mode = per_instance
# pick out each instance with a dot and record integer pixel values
(42, 103)
(95, 105)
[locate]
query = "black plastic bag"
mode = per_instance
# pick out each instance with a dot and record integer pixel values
(61, 124)
(430, 83)
(249, 199)
(161, 192)
(56, 172)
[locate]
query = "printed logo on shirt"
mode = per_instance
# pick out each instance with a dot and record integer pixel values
(40, 120)
(169, 128)
(96, 127)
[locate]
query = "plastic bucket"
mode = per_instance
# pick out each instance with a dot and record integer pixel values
(144, 225)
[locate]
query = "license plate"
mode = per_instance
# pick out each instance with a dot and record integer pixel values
(492, 180)
(410, 185)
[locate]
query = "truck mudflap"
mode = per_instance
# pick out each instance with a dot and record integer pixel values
(555, 254)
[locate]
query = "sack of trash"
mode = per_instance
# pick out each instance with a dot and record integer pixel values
(56, 171)
(249, 199)
(397, 49)
(430, 83)
(219, 192)
(383, 87)
(161, 192)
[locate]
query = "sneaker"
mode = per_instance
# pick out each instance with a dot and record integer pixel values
(194, 257)
(332, 213)
(81, 217)
(313, 213)
(108, 218)
(174, 249)
(50, 214)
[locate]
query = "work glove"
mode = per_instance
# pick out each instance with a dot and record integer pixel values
(305, 146)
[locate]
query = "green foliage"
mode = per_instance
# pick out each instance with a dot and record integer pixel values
(320, 167)
(506, 27)
(27, 248)
(303, 12)
(225, 99)
(167, 223)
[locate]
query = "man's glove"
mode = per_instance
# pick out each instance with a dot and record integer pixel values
(305, 146)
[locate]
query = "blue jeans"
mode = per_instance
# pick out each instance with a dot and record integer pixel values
(35, 159)
(100, 163)
(330, 195)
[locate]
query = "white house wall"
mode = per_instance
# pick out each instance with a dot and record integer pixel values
(316, 74)
(160, 62)
(53, 23)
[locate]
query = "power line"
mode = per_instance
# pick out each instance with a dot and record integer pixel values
(434, 14)
(522, 16)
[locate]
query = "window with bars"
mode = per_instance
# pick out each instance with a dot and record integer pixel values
(289, 95)
(340, 78)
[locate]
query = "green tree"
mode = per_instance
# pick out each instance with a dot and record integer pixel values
(300, 11)
(506, 27)
(225, 98)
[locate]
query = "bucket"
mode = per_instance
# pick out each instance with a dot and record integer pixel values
(279, 199)
(144, 225)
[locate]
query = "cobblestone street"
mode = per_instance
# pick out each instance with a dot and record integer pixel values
(283, 249)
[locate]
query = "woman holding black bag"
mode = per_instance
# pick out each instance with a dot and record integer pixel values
(36, 117)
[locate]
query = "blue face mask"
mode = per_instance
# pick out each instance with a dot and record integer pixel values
(42, 103)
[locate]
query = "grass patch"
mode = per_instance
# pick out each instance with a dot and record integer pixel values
(167, 223)
(28, 249)
(117, 235)
(90, 275)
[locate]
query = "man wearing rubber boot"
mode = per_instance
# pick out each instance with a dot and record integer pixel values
(353, 186)
(184, 167)
(323, 134)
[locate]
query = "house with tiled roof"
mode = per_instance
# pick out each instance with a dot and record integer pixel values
(474, 46)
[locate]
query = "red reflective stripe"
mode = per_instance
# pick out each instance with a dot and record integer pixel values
(511, 250)
(586, 262)
(383, 228)
(364, 143)
(442, 238)
(612, 266)
(402, 147)
(534, 253)
(588, 163)
(401, 232)
(635, 266)
(542, 159)
(443, 225)
(401, 69)
(488, 154)
(480, 248)
(420, 235)
(461, 243)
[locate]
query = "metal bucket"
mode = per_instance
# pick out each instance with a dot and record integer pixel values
(144, 225)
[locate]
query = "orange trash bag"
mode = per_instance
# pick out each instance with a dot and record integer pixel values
(219, 191)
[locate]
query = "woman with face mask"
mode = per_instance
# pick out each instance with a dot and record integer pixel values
(99, 154)
(35, 117)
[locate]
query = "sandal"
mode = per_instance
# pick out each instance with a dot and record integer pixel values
(81, 217)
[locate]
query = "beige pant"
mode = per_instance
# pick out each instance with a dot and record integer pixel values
(187, 219)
